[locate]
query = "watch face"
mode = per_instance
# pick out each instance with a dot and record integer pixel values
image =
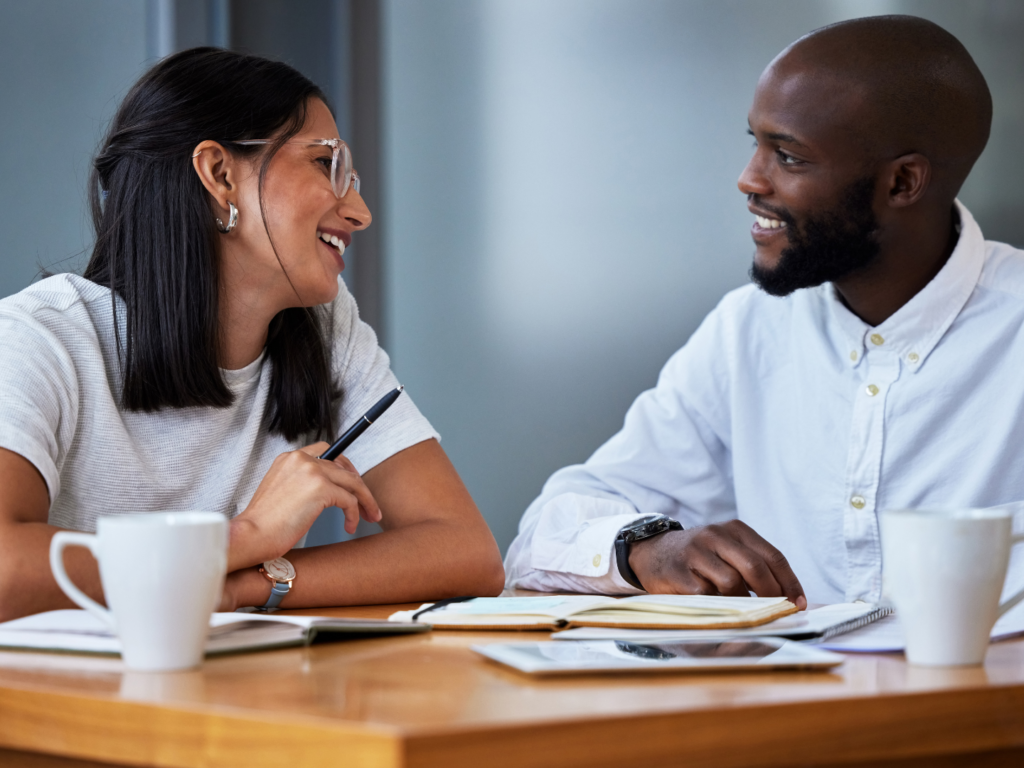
(279, 569)
(649, 520)
(646, 527)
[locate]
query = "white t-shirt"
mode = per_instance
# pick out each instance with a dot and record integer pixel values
(59, 394)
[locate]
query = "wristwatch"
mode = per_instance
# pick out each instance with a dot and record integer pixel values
(281, 574)
(640, 529)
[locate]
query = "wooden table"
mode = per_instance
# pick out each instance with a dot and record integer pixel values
(427, 700)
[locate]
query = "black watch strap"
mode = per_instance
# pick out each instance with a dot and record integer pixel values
(622, 559)
(644, 528)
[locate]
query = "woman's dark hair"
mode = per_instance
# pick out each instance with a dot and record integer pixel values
(156, 238)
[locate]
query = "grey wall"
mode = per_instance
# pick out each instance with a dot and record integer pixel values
(561, 204)
(66, 65)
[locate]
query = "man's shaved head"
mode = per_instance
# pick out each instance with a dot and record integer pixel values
(912, 86)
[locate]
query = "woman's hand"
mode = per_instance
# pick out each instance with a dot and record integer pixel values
(298, 487)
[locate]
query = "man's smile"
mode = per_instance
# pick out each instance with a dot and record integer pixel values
(767, 226)
(766, 223)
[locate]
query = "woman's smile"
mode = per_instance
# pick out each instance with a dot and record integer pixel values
(335, 242)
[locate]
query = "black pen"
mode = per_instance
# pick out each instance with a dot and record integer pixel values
(375, 412)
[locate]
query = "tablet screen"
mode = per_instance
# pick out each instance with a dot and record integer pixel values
(617, 655)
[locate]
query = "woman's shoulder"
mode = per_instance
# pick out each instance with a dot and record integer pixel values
(65, 311)
(60, 294)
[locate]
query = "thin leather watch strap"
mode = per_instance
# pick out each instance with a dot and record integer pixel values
(277, 593)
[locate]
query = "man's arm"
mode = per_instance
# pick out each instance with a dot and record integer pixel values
(671, 458)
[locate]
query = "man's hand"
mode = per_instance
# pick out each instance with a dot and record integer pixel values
(726, 559)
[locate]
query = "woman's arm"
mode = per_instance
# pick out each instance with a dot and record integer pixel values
(435, 544)
(26, 583)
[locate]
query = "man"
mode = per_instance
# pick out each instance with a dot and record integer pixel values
(878, 366)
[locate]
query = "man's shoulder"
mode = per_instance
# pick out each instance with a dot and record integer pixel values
(1003, 270)
(748, 329)
(749, 312)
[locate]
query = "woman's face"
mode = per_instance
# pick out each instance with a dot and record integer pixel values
(301, 212)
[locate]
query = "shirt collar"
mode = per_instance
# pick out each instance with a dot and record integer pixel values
(914, 330)
(238, 378)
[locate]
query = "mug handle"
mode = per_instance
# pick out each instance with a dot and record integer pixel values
(63, 539)
(1013, 600)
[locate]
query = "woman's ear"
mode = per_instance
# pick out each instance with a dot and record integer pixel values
(217, 170)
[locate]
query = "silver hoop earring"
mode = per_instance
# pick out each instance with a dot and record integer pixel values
(232, 219)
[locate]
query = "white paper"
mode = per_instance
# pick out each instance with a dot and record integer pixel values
(878, 637)
(887, 634)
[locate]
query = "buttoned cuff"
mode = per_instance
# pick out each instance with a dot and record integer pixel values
(576, 535)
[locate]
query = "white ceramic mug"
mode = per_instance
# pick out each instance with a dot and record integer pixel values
(944, 572)
(162, 573)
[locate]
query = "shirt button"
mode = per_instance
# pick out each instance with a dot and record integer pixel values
(853, 355)
(913, 357)
(876, 339)
(857, 502)
(872, 390)
(597, 560)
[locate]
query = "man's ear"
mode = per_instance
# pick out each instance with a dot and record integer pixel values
(217, 170)
(909, 178)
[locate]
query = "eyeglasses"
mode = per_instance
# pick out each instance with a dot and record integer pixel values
(342, 176)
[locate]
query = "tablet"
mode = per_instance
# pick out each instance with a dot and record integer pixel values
(589, 656)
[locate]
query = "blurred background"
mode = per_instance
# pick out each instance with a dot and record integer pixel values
(553, 182)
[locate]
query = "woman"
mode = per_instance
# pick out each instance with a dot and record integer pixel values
(208, 342)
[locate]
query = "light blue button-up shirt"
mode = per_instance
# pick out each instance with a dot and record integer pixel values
(801, 420)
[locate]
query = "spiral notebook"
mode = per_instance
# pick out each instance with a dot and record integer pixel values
(814, 626)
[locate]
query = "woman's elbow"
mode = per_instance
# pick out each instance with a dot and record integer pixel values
(484, 569)
(492, 578)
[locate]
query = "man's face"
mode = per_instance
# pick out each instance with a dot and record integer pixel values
(807, 183)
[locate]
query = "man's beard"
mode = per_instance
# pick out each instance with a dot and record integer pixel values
(832, 244)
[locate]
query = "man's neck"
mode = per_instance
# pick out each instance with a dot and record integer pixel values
(907, 263)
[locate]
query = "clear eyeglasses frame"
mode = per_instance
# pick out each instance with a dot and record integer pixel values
(343, 177)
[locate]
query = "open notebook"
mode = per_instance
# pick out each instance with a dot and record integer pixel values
(76, 631)
(563, 611)
(817, 625)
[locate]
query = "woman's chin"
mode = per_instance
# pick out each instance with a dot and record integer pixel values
(329, 292)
